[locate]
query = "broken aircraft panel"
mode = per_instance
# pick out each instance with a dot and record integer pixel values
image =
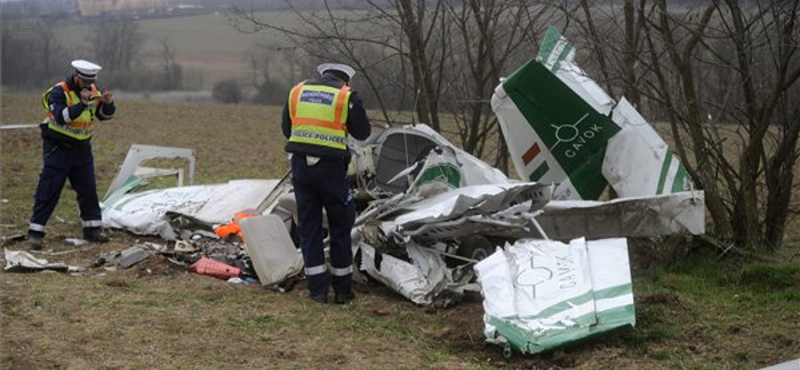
(139, 154)
(561, 220)
(561, 127)
(22, 261)
(146, 213)
(274, 255)
(541, 294)
(425, 280)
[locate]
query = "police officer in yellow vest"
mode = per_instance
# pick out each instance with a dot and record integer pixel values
(320, 114)
(72, 107)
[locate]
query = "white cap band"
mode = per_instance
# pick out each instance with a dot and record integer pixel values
(349, 71)
(85, 69)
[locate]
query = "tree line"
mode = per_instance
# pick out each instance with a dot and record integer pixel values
(32, 55)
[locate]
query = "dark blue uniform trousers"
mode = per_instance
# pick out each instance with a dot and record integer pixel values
(324, 185)
(75, 163)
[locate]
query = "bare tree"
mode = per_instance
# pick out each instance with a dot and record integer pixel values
(386, 44)
(117, 43)
(612, 32)
(724, 74)
(765, 36)
(31, 53)
(755, 45)
(172, 72)
(274, 69)
(488, 37)
(427, 57)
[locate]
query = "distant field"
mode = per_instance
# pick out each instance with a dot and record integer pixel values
(205, 44)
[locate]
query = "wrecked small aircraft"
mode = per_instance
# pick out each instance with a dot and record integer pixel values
(428, 211)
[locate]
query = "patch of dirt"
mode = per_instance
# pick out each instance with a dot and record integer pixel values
(665, 299)
(645, 253)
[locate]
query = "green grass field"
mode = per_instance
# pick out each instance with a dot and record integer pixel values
(694, 311)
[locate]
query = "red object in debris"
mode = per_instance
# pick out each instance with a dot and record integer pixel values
(210, 267)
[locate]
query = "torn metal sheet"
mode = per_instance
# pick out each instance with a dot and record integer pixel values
(474, 199)
(679, 213)
(144, 213)
(425, 280)
(21, 261)
(138, 154)
(513, 223)
(561, 127)
(652, 216)
(132, 256)
(539, 294)
(274, 255)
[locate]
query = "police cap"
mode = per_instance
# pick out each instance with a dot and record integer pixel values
(85, 69)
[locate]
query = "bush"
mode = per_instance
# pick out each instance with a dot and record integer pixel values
(227, 91)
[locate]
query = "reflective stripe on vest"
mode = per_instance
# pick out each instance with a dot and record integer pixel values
(319, 115)
(79, 128)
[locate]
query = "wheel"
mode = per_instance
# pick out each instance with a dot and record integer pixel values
(476, 247)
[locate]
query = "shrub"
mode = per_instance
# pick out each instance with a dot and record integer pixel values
(227, 91)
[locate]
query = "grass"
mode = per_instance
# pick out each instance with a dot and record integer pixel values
(735, 315)
(692, 311)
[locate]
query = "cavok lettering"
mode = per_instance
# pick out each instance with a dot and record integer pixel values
(566, 273)
(577, 144)
(317, 97)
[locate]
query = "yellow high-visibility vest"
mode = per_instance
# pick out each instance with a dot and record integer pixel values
(79, 128)
(319, 115)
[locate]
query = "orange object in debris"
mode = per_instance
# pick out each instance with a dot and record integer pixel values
(233, 228)
(210, 267)
(225, 231)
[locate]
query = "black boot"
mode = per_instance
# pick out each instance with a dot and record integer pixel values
(36, 240)
(94, 235)
(342, 298)
(321, 298)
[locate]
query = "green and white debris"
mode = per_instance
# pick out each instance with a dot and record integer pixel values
(541, 294)
(561, 127)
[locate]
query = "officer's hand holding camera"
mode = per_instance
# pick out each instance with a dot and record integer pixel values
(106, 98)
(86, 96)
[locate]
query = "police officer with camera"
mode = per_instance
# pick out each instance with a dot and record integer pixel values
(73, 106)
